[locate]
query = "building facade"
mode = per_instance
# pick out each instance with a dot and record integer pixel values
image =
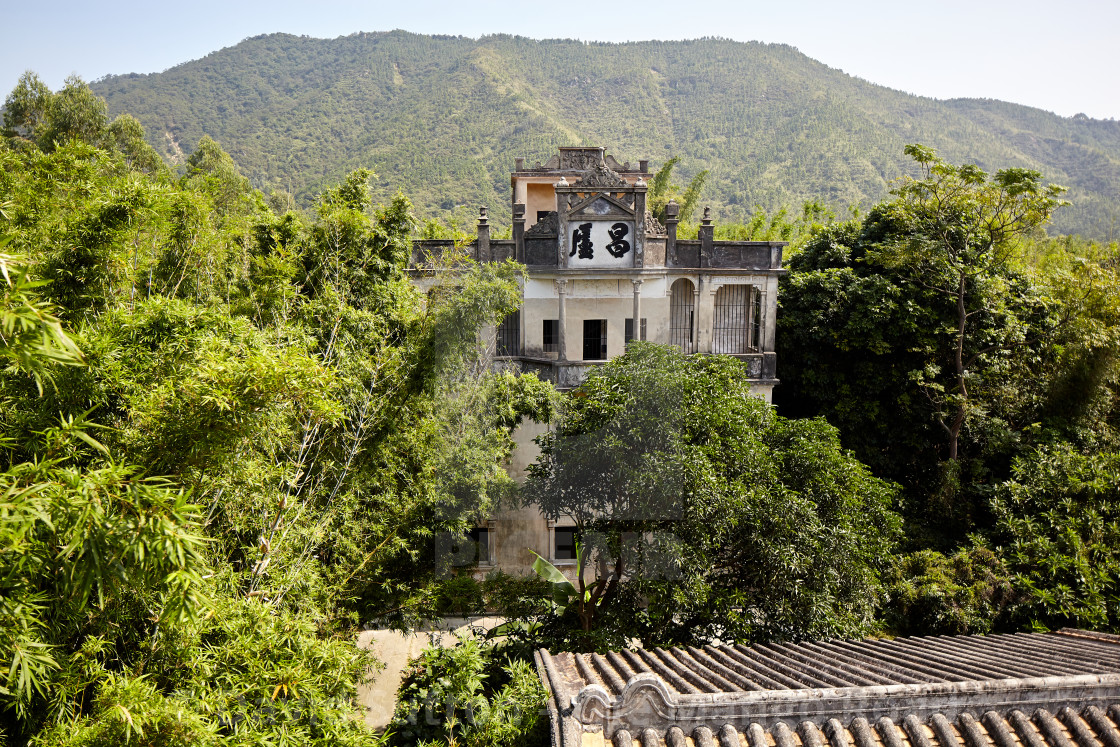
(603, 271)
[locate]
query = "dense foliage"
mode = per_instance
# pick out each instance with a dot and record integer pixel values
(443, 117)
(724, 519)
(228, 436)
(964, 355)
(230, 433)
(469, 694)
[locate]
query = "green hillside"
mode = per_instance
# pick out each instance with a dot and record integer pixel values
(443, 117)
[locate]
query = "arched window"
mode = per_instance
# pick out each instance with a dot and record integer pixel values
(682, 327)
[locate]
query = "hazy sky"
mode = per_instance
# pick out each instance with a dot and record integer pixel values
(1060, 56)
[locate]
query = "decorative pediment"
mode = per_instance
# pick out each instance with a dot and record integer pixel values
(653, 226)
(579, 159)
(548, 226)
(598, 206)
(598, 203)
(601, 177)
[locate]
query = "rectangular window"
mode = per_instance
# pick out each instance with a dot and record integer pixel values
(565, 541)
(729, 327)
(552, 335)
(594, 339)
(509, 335)
(630, 329)
(481, 539)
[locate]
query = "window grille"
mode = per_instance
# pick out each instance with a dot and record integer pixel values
(681, 315)
(551, 335)
(509, 335)
(730, 324)
(594, 339)
(630, 329)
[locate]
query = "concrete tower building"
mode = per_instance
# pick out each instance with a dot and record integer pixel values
(602, 271)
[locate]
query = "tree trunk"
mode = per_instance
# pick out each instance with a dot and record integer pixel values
(958, 368)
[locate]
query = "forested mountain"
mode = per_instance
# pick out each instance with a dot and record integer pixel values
(443, 117)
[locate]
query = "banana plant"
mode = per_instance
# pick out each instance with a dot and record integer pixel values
(587, 596)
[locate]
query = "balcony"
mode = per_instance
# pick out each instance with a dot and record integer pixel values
(761, 368)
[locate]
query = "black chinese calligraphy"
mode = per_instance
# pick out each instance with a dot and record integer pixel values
(581, 242)
(618, 246)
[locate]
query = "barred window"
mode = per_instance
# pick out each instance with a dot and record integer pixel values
(481, 539)
(731, 325)
(564, 540)
(509, 335)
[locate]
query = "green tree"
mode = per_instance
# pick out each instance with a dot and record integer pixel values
(83, 550)
(27, 109)
(849, 334)
(955, 230)
(467, 694)
(662, 191)
(127, 135)
(313, 419)
(690, 492)
(76, 113)
(933, 389)
(1058, 528)
(210, 169)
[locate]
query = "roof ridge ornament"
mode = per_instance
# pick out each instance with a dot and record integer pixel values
(601, 176)
(643, 695)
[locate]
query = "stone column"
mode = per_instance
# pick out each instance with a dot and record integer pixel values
(706, 233)
(672, 218)
(483, 247)
(637, 308)
(769, 315)
(561, 293)
(704, 304)
(697, 327)
(563, 198)
(640, 223)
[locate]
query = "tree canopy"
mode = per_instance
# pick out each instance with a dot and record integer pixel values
(227, 436)
(730, 521)
(971, 359)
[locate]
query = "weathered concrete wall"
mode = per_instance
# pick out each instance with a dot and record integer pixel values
(601, 298)
(538, 198)
(394, 649)
(535, 193)
(519, 530)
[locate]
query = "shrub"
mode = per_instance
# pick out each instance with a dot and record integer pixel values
(460, 595)
(969, 592)
(465, 695)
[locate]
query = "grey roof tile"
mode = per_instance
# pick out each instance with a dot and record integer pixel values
(1020, 690)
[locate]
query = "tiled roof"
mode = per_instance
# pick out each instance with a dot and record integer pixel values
(1024, 690)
